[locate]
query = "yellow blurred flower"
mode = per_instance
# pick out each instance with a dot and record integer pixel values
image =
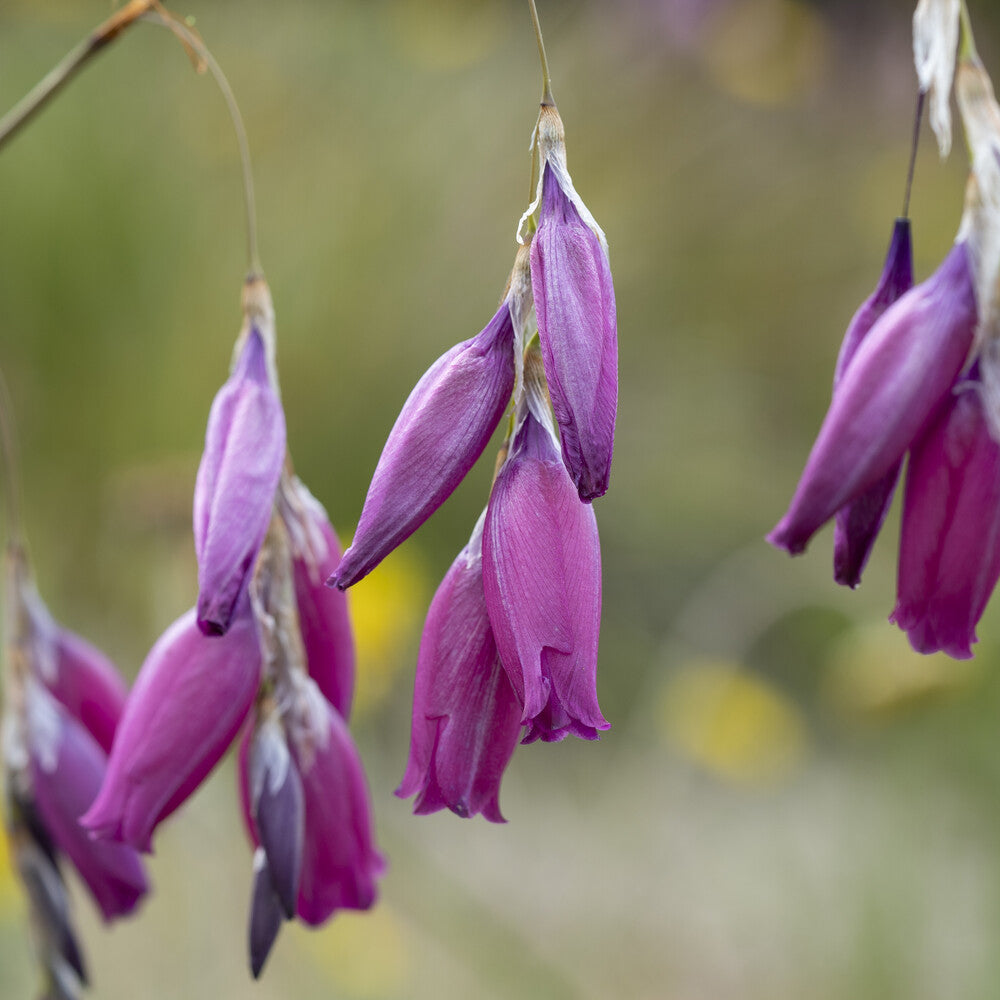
(732, 722)
(387, 610)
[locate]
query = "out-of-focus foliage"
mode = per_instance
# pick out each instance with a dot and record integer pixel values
(789, 802)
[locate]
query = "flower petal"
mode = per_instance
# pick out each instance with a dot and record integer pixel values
(578, 330)
(340, 861)
(466, 716)
(542, 581)
(189, 700)
(67, 767)
(888, 395)
(440, 433)
(237, 479)
(949, 554)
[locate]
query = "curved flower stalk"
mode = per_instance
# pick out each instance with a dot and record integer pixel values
(577, 320)
(466, 715)
(62, 704)
(303, 788)
(542, 577)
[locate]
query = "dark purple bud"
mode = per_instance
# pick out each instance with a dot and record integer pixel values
(265, 914)
(858, 523)
(278, 811)
(440, 432)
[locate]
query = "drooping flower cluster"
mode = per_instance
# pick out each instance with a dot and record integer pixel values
(509, 648)
(63, 700)
(918, 374)
(268, 651)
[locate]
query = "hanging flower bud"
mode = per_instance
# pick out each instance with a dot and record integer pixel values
(542, 579)
(438, 436)
(577, 321)
(859, 522)
(890, 392)
(240, 467)
(466, 716)
(935, 44)
(190, 699)
(322, 611)
(266, 916)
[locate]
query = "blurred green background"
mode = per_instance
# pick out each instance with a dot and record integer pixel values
(790, 803)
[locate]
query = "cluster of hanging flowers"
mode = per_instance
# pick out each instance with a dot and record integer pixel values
(63, 702)
(268, 650)
(509, 648)
(265, 659)
(919, 374)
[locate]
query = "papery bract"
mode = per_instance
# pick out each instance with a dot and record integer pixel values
(578, 330)
(949, 553)
(440, 432)
(859, 522)
(542, 581)
(466, 716)
(935, 43)
(67, 767)
(890, 392)
(237, 479)
(340, 861)
(190, 699)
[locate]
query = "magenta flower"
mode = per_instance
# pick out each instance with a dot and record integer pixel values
(67, 767)
(578, 330)
(322, 610)
(340, 862)
(466, 716)
(308, 813)
(949, 553)
(858, 523)
(239, 471)
(887, 397)
(542, 580)
(190, 699)
(440, 433)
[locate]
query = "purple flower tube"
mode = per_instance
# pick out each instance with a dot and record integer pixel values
(466, 716)
(440, 433)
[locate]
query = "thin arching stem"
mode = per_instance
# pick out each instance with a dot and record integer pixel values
(191, 39)
(547, 97)
(913, 153)
(60, 75)
(10, 471)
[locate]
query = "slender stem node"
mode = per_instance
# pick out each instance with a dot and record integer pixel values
(547, 97)
(74, 61)
(915, 142)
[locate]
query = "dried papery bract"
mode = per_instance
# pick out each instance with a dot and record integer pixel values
(935, 44)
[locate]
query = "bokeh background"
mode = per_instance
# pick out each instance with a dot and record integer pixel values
(790, 803)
